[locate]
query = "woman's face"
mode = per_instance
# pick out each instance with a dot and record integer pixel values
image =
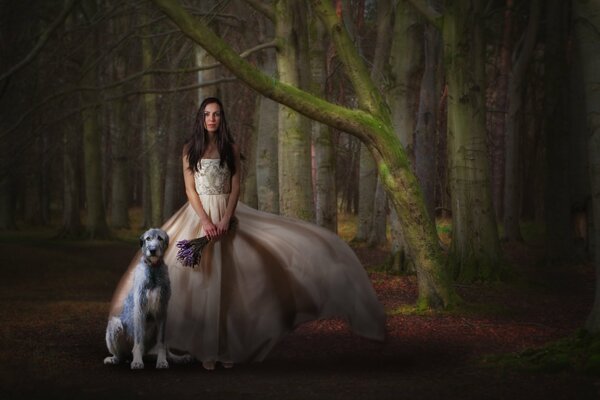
(212, 117)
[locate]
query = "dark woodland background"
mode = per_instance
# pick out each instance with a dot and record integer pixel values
(98, 97)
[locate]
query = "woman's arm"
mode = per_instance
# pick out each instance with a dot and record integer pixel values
(190, 190)
(234, 195)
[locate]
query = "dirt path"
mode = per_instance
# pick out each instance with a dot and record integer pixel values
(54, 299)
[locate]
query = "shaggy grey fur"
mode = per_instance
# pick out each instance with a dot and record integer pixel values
(140, 328)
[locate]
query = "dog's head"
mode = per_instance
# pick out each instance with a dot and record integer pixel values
(154, 242)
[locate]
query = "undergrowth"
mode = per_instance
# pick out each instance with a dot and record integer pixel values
(579, 353)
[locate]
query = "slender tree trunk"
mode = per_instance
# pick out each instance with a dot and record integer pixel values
(385, 24)
(120, 143)
(324, 154)
(154, 166)
(267, 181)
(498, 116)
(559, 239)
(249, 194)
(295, 187)
(367, 186)
(425, 131)
(587, 25)
(96, 226)
(475, 253)
(405, 67)
(514, 127)
(71, 226)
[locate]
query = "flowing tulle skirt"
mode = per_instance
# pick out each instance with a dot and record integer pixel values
(259, 282)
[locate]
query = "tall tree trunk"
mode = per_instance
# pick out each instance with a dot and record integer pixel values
(120, 142)
(267, 181)
(295, 187)
(371, 123)
(559, 238)
(96, 226)
(385, 27)
(498, 116)
(249, 193)
(405, 67)
(367, 186)
(154, 166)
(71, 225)
(324, 154)
(475, 253)
(587, 26)
(427, 121)
(514, 127)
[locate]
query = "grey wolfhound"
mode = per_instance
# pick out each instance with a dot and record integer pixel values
(140, 328)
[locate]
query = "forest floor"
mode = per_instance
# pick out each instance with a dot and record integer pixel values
(54, 300)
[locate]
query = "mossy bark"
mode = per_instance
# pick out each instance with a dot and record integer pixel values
(371, 123)
(475, 253)
(294, 161)
(322, 140)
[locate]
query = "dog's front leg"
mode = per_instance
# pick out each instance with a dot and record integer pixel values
(138, 333)
(161, 361)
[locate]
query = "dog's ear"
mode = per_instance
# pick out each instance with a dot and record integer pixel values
(142, 240)
(166, 240)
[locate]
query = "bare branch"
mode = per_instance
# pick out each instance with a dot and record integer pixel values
(244, 54)
(43, 39)
(263, 8)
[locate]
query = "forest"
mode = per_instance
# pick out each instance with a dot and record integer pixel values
(441, 138)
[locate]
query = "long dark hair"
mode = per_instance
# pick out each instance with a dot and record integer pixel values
(197, 144)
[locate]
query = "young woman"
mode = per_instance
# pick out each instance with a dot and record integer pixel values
(261, 279)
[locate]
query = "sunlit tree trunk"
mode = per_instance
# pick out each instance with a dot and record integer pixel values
(295, 186)
(475, 253)
(370, 122)
(559, 238)
(514, 127)
(587, 25)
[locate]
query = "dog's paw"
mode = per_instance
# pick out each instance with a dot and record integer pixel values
(162, 364)
(111, 360)
(137, 365)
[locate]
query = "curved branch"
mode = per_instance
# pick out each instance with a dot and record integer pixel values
(132, 77)
(263, 8)
(368, 96)
(43, 39)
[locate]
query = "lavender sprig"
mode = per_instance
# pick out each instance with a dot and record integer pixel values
(190, 251)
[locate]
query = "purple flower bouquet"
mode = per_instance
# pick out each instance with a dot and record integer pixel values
(190, 251)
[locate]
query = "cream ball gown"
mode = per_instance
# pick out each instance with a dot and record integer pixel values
(257, 283)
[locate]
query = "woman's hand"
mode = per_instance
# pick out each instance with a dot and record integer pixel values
(210, 230)
(223, 225)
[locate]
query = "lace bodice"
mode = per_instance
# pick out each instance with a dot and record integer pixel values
(212, 178)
